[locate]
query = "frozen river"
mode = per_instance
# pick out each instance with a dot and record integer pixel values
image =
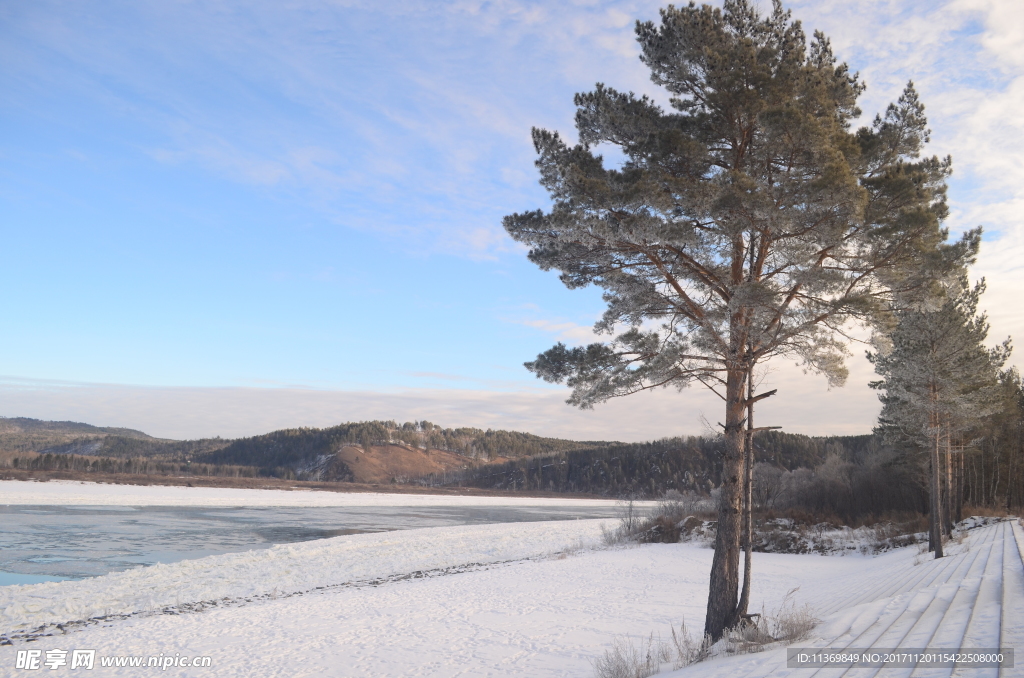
(45, 542)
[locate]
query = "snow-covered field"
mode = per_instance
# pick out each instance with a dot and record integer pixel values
(75, 493)
(291, 568)
(523, 599)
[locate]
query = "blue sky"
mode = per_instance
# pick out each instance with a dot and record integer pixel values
(227, 217)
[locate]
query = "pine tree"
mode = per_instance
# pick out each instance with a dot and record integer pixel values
(939, 380)
(749, 221)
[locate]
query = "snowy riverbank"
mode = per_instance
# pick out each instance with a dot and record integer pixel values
(291, 568)
(523, 599)
(548, 613)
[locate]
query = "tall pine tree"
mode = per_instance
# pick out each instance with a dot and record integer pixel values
(748, 221)
(939, 380)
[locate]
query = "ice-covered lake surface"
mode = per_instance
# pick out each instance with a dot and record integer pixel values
(69, 530)
(42, 542)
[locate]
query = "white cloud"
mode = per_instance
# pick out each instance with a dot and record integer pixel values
(804, 405)
(966, 58)
(563, 330)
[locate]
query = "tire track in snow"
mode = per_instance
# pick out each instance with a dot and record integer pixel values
(909, 581)
(905, 582)
(949, 632)
(926, 611)
(993, 571)
(920, 605)
(986, 615)
(933, 571)
(937, 612)
(1012, 632)
(889, 587)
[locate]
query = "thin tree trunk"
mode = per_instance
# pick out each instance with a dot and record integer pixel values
(995, 479)
(983, 484)
(947, 496)
(748, 497)
(976, 483)
(935, 534)
(959, 486)
(724, 587)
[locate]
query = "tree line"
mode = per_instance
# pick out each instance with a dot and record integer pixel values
(134, 466)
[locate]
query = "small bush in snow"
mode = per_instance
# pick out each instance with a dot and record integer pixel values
(625, 660)
(786, 625)
(688, 650)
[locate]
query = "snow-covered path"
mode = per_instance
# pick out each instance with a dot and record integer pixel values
(972, 599)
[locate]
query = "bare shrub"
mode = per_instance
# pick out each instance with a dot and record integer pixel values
(616, 535)
(625, 660)
(688, 650)
(665, 523)
(786, 625)
(660, 530)
(686, 503)
(629, 516)
(630, 521)
(791, 623)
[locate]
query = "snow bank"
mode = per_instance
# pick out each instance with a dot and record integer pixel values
(541, 618)
(289, 568)
(69, 492)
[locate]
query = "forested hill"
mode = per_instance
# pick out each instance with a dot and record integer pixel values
(23, 426)
(469, 457)
(21, 434)
(274, 452)
(296, 447)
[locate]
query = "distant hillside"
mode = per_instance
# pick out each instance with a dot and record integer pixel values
(23, 425)
(415, 452)
(650, 469)
(20, 434)
(289, 447)
(375, 451)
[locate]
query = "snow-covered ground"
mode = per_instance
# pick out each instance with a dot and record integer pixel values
(291, 568)
(523, 599)
(904, 599)
(76, 493)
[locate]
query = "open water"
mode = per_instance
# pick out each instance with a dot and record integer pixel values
(47, 543)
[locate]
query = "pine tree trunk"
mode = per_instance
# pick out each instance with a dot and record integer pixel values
(722, 611)
(947, 495)
(748, 498)
(935, 534)
(975, 483)
(959, 487)
(995, 479)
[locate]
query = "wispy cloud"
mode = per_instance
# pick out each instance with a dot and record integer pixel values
(967, 61)
(188, 413)
(563, 330)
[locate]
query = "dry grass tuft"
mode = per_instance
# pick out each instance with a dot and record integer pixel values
(625, 660)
